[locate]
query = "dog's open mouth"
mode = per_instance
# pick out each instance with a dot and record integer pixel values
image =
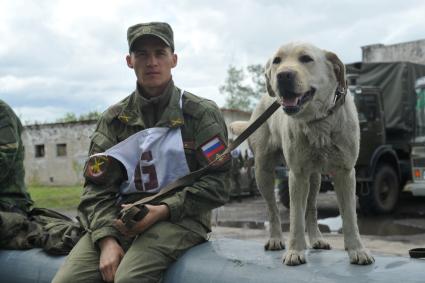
(294, 104)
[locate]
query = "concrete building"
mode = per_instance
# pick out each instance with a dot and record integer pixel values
(413, 51)
(55, 153)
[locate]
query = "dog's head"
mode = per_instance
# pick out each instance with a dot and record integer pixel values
(304, 78)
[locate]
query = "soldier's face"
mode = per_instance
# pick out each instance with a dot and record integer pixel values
(152, 61)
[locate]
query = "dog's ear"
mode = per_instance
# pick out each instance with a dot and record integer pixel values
(267, 73)
(339, 70)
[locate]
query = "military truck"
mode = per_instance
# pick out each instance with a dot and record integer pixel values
(417, 185)
(385, 97)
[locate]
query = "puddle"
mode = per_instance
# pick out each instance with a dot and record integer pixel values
(378, 226)
(334, 224)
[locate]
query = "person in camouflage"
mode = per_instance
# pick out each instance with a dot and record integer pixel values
(175, 222)
(21, 226)
(15, 202)
(13, 193)
(235, 173)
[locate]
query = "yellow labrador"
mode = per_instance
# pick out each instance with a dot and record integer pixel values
(318, 132)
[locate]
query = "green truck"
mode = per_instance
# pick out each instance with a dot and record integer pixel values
(417, 185)
(389, 116)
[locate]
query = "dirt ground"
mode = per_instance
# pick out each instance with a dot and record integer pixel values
(391, 234)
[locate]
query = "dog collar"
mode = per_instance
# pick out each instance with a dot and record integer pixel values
(339, 100)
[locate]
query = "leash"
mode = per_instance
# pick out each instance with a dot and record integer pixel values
(137, 210)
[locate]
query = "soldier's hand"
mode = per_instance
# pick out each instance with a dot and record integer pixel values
(156, 213)
(111, 254)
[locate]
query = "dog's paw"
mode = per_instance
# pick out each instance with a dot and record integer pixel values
(321, 245)
(274, 245)
(293, 257)
(361, 257)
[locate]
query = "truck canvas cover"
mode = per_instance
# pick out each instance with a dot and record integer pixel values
(397, 83)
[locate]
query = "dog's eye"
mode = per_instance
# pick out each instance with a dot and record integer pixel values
(276, 60)
(306, 59)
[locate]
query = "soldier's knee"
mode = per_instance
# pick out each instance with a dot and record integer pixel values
(130, 277)
(71, 273)
(63, 277)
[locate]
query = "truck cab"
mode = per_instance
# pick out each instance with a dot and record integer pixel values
(417, 184)
(378, 171)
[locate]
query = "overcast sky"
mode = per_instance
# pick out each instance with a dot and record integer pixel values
(69, 56)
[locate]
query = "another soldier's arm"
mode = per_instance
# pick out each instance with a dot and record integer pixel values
(211, 190)
(9, 143)
(98, 207)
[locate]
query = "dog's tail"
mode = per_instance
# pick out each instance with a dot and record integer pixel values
(238, 127)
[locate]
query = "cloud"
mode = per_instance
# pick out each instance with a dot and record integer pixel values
(40, 114)
(70, 55)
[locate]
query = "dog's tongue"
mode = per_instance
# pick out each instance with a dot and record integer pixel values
(290, 102)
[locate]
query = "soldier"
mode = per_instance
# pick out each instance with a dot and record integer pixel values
(154, 136)
(20, 226)
(13, 193)
(235, 172)
(15, 202)
(249, 163)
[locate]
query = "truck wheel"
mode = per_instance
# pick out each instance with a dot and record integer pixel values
(383, 194)
(284, 193)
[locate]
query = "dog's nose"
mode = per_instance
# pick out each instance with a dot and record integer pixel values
(286, 76)
(286, 82)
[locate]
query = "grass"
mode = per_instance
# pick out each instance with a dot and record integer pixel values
(63, 198)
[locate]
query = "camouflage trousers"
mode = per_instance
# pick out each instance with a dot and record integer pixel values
(145, 260)
(40, 228)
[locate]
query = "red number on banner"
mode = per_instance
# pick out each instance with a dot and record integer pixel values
(148, 170)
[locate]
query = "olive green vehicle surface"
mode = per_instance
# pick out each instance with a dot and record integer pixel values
(228, 260)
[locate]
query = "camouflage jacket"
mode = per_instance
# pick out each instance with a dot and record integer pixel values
(13, 193)
(200, 121)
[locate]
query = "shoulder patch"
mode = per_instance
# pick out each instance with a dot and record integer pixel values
(213, 150)
(102, 169)
(96, 166)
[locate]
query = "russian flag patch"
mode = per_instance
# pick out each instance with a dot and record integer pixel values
(213, 148)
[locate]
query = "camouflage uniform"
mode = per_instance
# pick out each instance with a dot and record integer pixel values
(15, 202)
(13, 193)
(152, 251)
(20, 227)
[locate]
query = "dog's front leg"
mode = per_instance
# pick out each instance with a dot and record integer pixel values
(314, 234)
(345, 188)
(298, 191)
(264, 172)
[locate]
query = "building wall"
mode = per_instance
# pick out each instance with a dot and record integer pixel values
(54, 170)
(413, 51)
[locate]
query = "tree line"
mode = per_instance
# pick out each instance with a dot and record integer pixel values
(72, 117)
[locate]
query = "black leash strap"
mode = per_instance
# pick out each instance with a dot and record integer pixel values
(131, 214)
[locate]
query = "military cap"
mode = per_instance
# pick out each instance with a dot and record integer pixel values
(158, 29)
